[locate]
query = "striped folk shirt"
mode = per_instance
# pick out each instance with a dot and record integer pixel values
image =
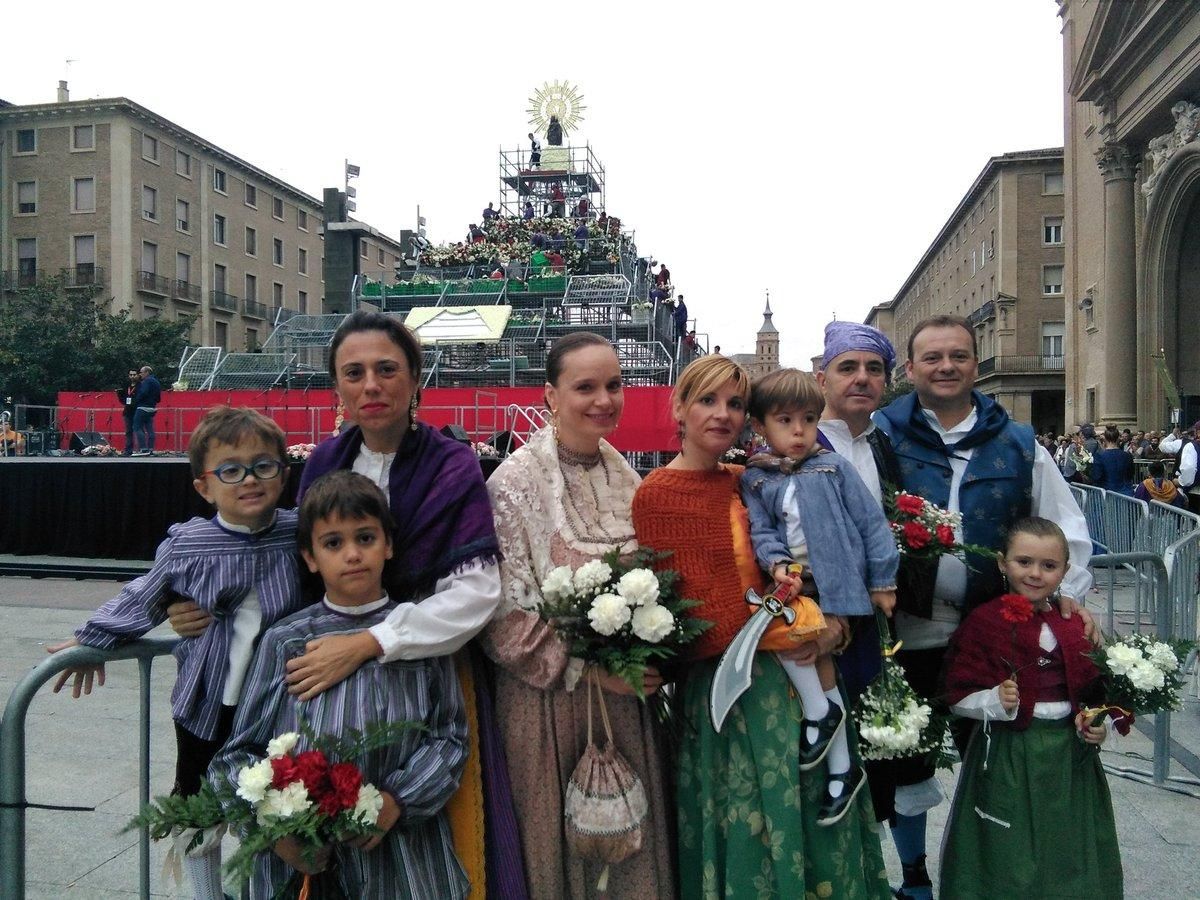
(217, 568)
(416, 858)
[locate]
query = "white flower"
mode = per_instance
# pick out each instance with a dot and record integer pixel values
(592, 576)
(1146, 676)
(254, 780)
(366, 809)
(1162, 656)
(282, 745)
(608, 614)
(1122, 658)
(557, 584)
(639, 587)
(653, 623)
(283, 804)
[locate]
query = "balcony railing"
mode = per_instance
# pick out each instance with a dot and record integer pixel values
(254, 309)
(151, 283)
(222, 300)
(83, 275)
(185, 291)
(1020, 364)
(14, 279)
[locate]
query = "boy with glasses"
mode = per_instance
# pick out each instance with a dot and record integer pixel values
(241, 567)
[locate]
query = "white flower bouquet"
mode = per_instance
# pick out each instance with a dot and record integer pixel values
(1140, 675)
(620, 614)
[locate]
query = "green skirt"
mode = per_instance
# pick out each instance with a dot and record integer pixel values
(1036, 823)
(747, 815)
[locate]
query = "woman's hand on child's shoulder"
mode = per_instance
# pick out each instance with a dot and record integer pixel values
(1010, 696)
(187, 619)
(84, 675)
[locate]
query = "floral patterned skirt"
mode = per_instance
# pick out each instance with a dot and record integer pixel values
(748, 816)
(1037, 822)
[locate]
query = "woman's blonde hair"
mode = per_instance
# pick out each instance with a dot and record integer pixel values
(707, 374)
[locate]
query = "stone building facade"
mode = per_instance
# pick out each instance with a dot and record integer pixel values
(998, 261)
(169, 225)
(1132, 172)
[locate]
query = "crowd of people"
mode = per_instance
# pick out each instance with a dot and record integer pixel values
(430, 582)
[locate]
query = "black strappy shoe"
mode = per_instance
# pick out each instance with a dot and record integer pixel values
(812, 754)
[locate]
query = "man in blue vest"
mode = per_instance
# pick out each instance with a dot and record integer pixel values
(960, 450)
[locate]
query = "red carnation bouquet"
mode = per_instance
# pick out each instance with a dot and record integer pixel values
(924, 530)
(315, 796)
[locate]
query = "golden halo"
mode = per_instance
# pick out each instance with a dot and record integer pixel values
(556, 98)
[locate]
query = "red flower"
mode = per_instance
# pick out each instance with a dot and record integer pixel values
(1015, 608)
(344, 781)
(945, 534)
(283, 770)
(313, 769)
(916, 535)
(910, 503)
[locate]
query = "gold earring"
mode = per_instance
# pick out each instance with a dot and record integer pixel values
(554, 423)
(412, 413)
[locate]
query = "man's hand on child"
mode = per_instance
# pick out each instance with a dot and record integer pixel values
(83, 675)
(1092, 734)
(388, 817)
(289, 850)
(328, 661)
(1010, 697)
(187, 619)
(885, 601)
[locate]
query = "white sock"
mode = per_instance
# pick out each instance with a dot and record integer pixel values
(838, 759)
(808, 686)
(205, 873)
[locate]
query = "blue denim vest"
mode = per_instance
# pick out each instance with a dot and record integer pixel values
(996, 490)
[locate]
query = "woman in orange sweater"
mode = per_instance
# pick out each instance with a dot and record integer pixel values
(747, 815)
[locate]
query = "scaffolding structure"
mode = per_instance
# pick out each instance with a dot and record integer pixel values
(574, 169)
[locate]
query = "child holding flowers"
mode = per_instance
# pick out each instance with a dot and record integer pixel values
(808, 508)
(1032, 816)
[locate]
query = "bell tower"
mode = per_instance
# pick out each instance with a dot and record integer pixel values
(766, 348)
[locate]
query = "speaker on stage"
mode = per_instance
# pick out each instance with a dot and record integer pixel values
(81, 439)
(35, 443)
(456, 433)
(503, 441)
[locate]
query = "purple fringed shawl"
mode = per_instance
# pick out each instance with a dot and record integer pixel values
(437, 497)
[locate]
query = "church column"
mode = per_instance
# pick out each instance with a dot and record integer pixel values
(1119, 391)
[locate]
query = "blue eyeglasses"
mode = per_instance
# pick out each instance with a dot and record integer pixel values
(236, 473)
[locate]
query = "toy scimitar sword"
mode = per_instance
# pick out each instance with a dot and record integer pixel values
(734, 671)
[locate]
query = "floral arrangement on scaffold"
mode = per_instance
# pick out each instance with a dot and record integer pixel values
(300, 452)
(1141, 675)
(923, 530)
(619, 613)
(315, 796)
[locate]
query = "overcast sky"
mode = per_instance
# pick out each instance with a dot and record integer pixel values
(810, 148)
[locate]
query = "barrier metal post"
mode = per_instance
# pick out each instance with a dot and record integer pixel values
(12, 753)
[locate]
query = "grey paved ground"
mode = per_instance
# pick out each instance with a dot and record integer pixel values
(84, 752)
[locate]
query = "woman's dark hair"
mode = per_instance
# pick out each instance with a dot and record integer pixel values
(368, 320)
(1156, 469)
(569, 343)
(1038, 528)
(344, 494)
(1112, 435)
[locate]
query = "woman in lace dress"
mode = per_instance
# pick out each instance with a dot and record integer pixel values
(564, 499)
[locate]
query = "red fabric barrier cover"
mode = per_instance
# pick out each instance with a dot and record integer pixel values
(308, 416)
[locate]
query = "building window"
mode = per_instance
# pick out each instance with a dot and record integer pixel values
(149, 258)
(277, 208)
(251, 241)
(183, 164)
(1052, 344)
(1052, 230)
(381, 256)
(277, 251)
(219, 180)
(26, 198)
(1052, 183)
(251, 288)
(221, 335)
(182, 218)
(252, 196)
(83, 137)
(1052, 280)
(83, 195)
(302, 261)
(84, 250)
(972, 262)
(26, 262)
(26, 140)
(302, 220)
(251, 340)
(277, 294)
(362, 249)
(183, 268)
(219, 278)
(219, 229)
(302, 302)
(149, 203)
(150, 148)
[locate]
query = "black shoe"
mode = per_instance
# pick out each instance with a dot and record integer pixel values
(915, 876)
(812, 754)
(834, 808)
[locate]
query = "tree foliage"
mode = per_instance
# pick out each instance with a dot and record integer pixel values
(52, 340)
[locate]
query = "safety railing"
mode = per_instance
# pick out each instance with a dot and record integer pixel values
(13, 802)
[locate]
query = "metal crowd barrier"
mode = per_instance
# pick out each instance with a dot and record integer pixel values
(13, 802)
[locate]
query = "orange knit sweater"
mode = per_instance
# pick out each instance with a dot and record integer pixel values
(699, 518)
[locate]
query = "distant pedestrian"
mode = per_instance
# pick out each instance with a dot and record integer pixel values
(125, 398)
(680, 317)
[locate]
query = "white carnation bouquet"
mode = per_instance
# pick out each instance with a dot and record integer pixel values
(1140, 675)
(619, 613)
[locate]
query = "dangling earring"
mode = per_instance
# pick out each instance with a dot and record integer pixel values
(339, 417)
(554, 424)
(412, 413)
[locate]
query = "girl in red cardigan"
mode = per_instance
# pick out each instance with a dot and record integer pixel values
(1032, 815)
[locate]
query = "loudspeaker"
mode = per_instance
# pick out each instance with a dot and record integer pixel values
(35, 443)
(503, 441)
(456, 433)
(81, 439)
